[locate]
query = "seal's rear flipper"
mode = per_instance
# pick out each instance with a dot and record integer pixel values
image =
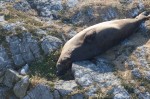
(144, 15)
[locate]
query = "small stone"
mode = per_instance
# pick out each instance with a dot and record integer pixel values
(2, 19)
(11, 77)
(24, 70)
(20, 87)
(40, 32)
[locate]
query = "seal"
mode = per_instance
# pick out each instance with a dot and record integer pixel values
(97, 39)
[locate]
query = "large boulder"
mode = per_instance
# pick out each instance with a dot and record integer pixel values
(21, 87)
(23, 50)
(39, 92)
(4, 92)
(98, 76)
(65, 87)
(5, 62)
(11, 77)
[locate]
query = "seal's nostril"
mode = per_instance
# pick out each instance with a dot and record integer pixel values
(59, 73)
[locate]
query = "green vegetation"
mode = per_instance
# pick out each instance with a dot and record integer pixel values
(45, 68)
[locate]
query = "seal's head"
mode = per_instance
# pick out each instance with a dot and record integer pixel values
(63, 64)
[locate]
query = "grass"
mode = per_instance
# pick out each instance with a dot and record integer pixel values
(45, 68)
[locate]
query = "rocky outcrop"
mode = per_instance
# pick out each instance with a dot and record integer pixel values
(11, 77)
(65, 87)
(48, 8)
(50, 43)
(39, 92)
(22, 5)
(100, 75)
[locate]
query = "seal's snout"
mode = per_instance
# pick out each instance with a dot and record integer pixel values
(63, 65)
(59, 71)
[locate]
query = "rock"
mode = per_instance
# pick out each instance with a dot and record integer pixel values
(125, 1)
(56, 94)
(72, 3)
(109, 13)
(77, 18)
(71, 34)
(2, 5)
(134, 12)
(21, 87)
(50, 43)
(120, 93)
(136, 73)
(144, 95)
(147, 75)
(24, 50)
(14, 43)
(83, 16)
(1, 79)
(2, 19)
(9, 26)
(39, 92)
(4, 92)
(22, 5)
(5, 62)
(31, 47)
(77, 96)
(11, 77)
(40, 32)
(24, 70)
(65, 87)
(140, 53)
(12, 96)
(18, 60)
(87, 73)
(48, 8)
